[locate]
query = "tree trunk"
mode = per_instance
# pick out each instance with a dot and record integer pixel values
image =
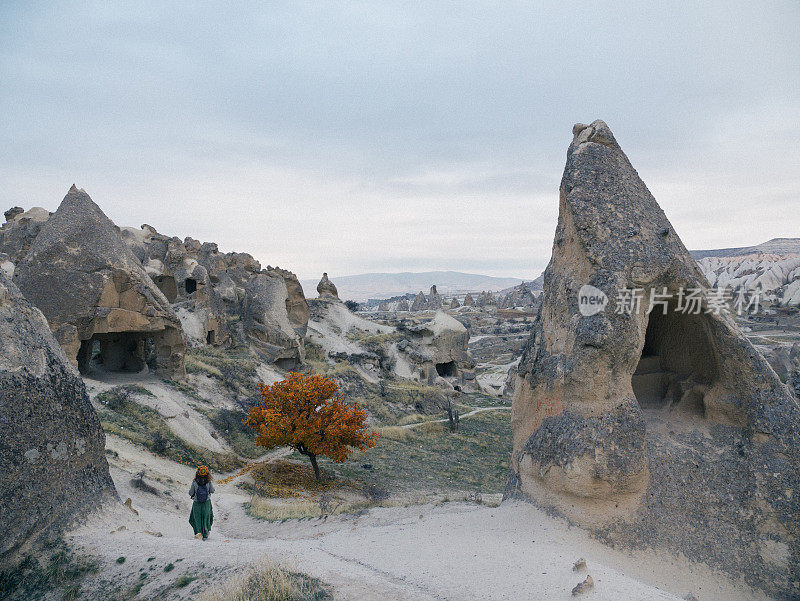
(304, 451)
(313, 459)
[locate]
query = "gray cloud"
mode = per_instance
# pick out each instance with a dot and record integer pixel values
(365, 136)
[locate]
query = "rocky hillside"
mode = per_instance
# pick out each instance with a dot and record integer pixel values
(124, 298)
(778, 246)
(773, 266)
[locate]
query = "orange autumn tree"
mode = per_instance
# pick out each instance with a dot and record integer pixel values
(308, 414)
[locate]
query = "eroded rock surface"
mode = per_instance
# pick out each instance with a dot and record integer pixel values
(665, 429)
(95, 294)
(326, 289)
(52, 447)
(267, 322)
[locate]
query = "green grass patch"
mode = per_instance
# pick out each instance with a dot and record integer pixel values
(59, 569)
(430, 458)
(240, 437)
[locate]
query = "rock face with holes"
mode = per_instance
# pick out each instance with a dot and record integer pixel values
(132, 296)
(663, 428)
(52, 447)
(95, 294)
(437, 349)
(195, 279)
(225, 297)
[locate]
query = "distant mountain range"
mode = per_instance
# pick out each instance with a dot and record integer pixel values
(776, 246)
(365, 286)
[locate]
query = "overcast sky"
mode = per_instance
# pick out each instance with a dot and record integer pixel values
(398, 136)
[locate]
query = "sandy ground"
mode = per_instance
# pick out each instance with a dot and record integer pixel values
(454, 551)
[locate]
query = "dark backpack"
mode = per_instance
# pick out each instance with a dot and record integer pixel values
(201, 494)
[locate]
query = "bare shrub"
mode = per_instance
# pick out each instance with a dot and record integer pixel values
(375, 493)
(268, 582)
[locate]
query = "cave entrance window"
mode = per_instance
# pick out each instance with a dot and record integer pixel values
(191, 285)
(677, 364)
(211, 337)
(447, 369)
(166, 283)
(287, 363)
(117, 351)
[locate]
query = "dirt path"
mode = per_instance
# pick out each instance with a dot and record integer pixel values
(454, 551)
(462, 416)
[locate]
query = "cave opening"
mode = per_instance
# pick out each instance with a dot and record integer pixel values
(678, 362)
(287, 363)
(115, 351)
(190, 284)
(448, 369)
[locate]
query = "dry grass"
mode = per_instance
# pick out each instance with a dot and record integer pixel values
(278, 510)
(193, 364)
(287, 490)
(431, 427)
(268, 582)
(395, 433)
(412, 419)
(286, 479)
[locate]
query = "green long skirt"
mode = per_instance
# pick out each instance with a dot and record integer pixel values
(202, 517)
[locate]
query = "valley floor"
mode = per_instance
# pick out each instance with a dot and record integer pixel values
(449, 551)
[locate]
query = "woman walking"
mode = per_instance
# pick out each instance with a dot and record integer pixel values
(202, 515)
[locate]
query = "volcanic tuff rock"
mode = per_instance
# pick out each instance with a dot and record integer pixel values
(207, 289)
(776, 275)
(434, 300)
(665, 429)
(420, 302)
(326, 289)
(91, 287)
(436, 347)
(520, 296)
(402, 305)
(486, 299)
(52, 447)
(20, 230)
(469, 301)
(267, 322)
(204, 289)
